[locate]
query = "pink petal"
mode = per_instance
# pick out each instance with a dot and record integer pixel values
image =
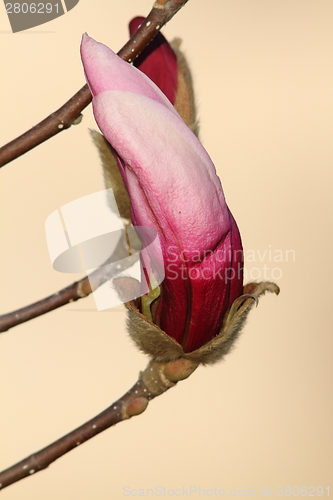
(105, 70)
(169, 175)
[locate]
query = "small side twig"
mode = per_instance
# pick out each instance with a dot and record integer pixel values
(155, 380)
(70, 112)
(113, 266)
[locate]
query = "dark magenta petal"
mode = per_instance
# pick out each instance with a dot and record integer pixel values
(158, 61)
(197, 294)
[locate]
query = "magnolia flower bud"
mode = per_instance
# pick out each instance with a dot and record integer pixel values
(173, 188)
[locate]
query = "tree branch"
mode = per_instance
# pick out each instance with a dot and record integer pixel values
(157, 378)
(69, 113)
(113, 266)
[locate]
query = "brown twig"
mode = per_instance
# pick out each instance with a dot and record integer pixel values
(70, 112)
(113, 266)
(156, 379)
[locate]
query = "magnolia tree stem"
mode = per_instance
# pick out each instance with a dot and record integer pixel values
(156, 379)
(117, 263)
(70, 112)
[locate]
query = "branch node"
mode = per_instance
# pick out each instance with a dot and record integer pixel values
(78, 119)
(160, 4)
(136, 407)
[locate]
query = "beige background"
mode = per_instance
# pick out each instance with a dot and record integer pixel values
(263, 73)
